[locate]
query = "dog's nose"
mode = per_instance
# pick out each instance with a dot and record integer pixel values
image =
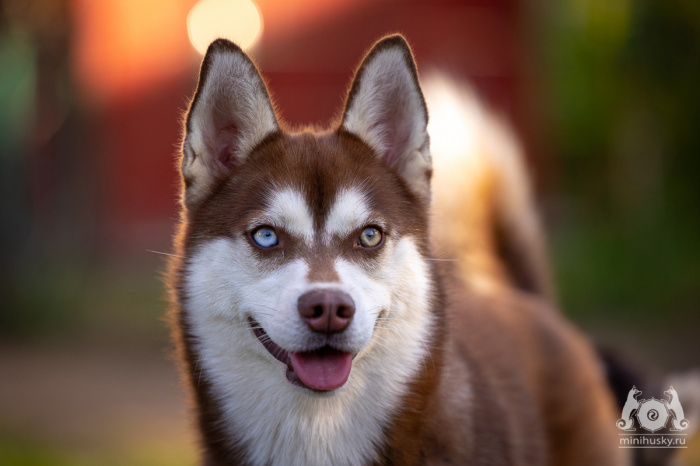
(326, 311)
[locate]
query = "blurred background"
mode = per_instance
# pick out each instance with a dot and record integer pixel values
(603, 93)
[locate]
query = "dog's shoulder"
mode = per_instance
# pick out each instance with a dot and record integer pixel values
(520, 379)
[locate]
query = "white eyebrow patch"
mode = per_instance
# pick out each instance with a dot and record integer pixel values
(288, 209)
(349, 212)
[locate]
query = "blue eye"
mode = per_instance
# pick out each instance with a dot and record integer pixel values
(265, 237)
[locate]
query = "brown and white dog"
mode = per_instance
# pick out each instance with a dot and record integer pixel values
(315, 325)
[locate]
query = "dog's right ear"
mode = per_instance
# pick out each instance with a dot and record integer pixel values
(229, 115)
(385, 109)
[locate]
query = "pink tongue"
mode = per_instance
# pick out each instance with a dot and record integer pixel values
(326, 369)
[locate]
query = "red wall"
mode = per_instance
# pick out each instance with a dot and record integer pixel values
(308, 66)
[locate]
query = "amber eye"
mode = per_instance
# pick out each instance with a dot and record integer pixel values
(370, 237)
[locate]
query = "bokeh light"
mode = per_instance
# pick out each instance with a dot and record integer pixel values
(601, 94)
(237, 20)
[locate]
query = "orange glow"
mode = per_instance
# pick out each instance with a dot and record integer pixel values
(125, 45)
(237, 20)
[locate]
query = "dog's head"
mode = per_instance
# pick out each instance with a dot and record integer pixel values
(306, 251)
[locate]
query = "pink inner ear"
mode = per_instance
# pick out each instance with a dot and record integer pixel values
(396, 131)
(390, 152)
(226, 145)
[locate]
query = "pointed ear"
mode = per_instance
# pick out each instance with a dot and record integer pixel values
(385, 108)
(229, 115)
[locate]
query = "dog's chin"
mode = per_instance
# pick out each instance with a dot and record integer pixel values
(323, 369)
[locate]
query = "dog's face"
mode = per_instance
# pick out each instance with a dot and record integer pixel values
(305, 253)
(306, 248)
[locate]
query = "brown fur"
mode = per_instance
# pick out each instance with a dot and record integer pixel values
(508, 381)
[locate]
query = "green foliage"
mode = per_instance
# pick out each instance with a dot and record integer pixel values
(624, 110)
(70, 298)
(35, 452)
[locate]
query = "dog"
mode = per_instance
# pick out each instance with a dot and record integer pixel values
(314, 323)
(675, 408)
(626, 422)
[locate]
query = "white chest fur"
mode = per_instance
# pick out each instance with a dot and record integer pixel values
(280, 423)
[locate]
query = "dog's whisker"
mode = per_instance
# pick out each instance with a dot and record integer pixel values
(381, 339)
(198, 370)
(165, 253)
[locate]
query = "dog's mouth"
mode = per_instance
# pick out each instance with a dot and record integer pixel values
(322, 369)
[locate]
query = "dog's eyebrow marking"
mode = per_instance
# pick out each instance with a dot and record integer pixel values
(349, 212)
(288, 209)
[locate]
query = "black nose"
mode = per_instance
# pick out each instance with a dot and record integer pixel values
(326, 311)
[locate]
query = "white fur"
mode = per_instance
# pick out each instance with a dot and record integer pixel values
(350, 211)
(233, 93)
(278, 422)
(387, 113)
(287, 208)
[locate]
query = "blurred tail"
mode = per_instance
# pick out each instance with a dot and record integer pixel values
(484, 214)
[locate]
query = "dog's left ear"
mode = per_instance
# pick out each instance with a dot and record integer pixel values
(385, 108)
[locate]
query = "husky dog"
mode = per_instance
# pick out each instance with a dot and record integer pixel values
(314, 326)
